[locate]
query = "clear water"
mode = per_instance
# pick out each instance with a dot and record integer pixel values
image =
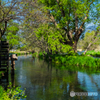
(44, 81)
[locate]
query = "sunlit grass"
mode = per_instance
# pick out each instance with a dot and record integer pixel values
(19, 53)
(74, 60)
(93, 53)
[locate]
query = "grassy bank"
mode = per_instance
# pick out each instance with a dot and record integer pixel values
(76, 60)
(93, 53)
(20, 52)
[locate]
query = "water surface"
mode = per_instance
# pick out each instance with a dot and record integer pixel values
(43, 81)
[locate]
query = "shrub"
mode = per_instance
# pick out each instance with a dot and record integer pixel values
(11, 93)
(40, 55)
(34, 54)
(93, 53)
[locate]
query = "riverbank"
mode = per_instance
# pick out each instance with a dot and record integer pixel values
(18, 52)
(76, 60)
(44, 80)
(93, 53)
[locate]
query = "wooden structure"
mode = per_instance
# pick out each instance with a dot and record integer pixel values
(13, 58)
(4, 63)
(4, 57)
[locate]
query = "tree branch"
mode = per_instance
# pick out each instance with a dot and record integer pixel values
(80, 30)
(10, 9)
(69, 33)
(93, 41)
(3, 31)
(62, 11)
(53, 20)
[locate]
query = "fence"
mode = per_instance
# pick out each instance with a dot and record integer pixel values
(4, 57)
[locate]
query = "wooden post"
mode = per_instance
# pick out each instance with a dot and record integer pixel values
(13, 80)
(12, 66)
(13, 58)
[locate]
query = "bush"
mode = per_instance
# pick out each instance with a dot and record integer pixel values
(34, 54)
(93, 53)
(78, 60)
(11, 93)
(40, 55)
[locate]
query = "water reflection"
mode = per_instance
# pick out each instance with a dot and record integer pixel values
(44, 81)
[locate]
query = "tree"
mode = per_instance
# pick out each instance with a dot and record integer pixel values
(93, 40)
(32, 19)
(9, 10)
(12, 35)
(52, 35)
(71, 17)
(89, 42)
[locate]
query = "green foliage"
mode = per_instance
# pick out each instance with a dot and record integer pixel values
(40, 55)
(23, 47)
(85, 61)
(63, 14)
(30, 52)
(18, 53)
(82, 61)
(79, 7)
(11, 93)
(90, 37)
(93, 53)
(11, 34)
(3, 94)
(34, 54)
(52, 36)
(13, 29)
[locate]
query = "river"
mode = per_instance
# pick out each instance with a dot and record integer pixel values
(44, 81)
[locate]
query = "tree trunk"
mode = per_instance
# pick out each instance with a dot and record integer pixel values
(0, 36)
(87, 48)
(56, 50)
(75, 46)
(0, 17)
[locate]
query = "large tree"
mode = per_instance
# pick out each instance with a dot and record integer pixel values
(10, 10)
(70, 16)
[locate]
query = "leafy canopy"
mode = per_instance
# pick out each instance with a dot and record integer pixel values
(67, 20)
(51, 36)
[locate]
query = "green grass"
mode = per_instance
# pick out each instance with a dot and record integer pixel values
(86, 61)
(83, 61)
(19, 53)
(93, 53)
